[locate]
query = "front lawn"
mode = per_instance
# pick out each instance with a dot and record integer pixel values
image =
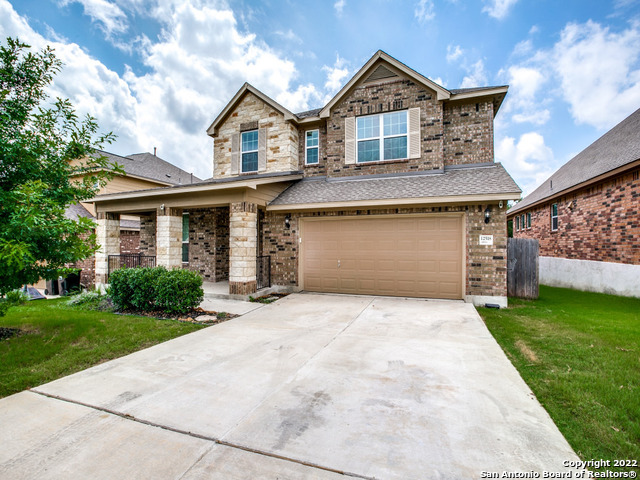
(57, 340)
(579, 353)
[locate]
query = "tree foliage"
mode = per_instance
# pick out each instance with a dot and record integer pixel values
(49, 159)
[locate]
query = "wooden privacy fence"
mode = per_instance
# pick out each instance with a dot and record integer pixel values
(522, 267)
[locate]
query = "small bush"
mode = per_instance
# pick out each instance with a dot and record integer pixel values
(147, 289)
(17, 297)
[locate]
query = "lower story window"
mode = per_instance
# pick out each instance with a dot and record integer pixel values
(529, 220)
(185, 238)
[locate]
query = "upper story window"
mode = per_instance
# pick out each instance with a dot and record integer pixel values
(528, 219)
(311, 147)
(382, 137)
(554, 217)
(249, 151)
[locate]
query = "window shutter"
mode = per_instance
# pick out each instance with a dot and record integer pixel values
(262, 149)
(235, 153)
(414, 133)
(349, 140)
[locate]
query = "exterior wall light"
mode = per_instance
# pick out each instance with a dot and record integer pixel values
(287, 220)
(487, 214)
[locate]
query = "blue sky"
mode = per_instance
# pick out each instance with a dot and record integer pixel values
(157, 72)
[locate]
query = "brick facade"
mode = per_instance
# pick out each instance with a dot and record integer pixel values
(129, 242)
(486, 266)
(209, 243)
(468, 133)
(600, 222)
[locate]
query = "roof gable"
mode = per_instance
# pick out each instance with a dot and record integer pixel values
(381, 66)
(213, 128)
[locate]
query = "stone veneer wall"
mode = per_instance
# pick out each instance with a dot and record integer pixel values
(486, 266)
(169, 238)
(243, 238)
(600, 222)
(382, 97)
(108, 237)
(468, 133)
(129, 242)
(209, 243)
(148, 234)
(282, 137)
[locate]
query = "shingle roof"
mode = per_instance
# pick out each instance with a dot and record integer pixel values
(616, 148)
(309, 113)
(76, 210)
(478, 180)
(152, 167)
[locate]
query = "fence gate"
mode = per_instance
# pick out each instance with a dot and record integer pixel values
(522, 267)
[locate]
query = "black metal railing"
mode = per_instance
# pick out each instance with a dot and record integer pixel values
(130, 260)
(263, 272)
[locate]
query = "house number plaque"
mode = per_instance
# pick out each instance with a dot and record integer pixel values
(486, 239)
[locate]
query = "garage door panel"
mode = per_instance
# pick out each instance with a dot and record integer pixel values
(406, 256)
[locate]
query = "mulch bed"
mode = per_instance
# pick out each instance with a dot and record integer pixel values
(6, 332)
(197, 315)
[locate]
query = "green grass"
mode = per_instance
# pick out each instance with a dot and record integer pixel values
(579, 352)
(58, 340)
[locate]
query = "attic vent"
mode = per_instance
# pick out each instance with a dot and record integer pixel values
(380, 73)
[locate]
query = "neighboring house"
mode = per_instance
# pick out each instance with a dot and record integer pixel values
(389, 189)
(141, 171)
(586, 216)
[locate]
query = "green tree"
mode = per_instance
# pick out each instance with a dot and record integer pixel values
(49, 160)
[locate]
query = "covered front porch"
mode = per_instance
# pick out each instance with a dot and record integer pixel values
(214, 228)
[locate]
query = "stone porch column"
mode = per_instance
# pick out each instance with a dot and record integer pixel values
(108, 237)
(243, 242)
(169, 237)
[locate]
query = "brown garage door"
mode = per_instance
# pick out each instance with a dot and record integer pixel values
(399, 256)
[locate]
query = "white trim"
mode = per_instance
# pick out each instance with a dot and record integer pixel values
(307, 147)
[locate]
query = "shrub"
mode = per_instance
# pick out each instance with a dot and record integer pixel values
(178, 291)
(17, 297)
(146, 289)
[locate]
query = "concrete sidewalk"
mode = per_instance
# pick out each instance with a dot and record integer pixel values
(312, 386)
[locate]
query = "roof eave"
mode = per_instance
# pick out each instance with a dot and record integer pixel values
(212, 131)
(498, 94)
(449, 199)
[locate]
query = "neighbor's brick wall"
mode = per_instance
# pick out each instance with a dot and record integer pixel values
(486, 266)
(148, 234)
(602, 223)
(129, 242)
(282, 137)
(468, 133)
(382, 97)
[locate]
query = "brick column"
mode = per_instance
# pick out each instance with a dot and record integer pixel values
(108, 237)
(243, 240)
(169, 237)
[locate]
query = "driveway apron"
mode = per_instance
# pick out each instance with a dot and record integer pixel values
(312, 386)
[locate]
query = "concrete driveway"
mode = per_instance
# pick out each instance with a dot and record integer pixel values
(310, 387)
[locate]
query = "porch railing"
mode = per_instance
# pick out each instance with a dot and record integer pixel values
(130, 260)
(263, 272)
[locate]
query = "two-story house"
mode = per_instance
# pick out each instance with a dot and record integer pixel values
(389, 189)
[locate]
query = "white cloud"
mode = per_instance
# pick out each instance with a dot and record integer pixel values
(498, 8)
(528, 159)
(109, 15)
(424, 11)
(191, 71)
(476, 77)
(598, 71)
(335, 75)
(289, 35)
(453, 53)
(339, 6)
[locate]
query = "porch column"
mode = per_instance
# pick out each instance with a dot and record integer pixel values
(108, 237)
(169, 237)
(243, 241)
